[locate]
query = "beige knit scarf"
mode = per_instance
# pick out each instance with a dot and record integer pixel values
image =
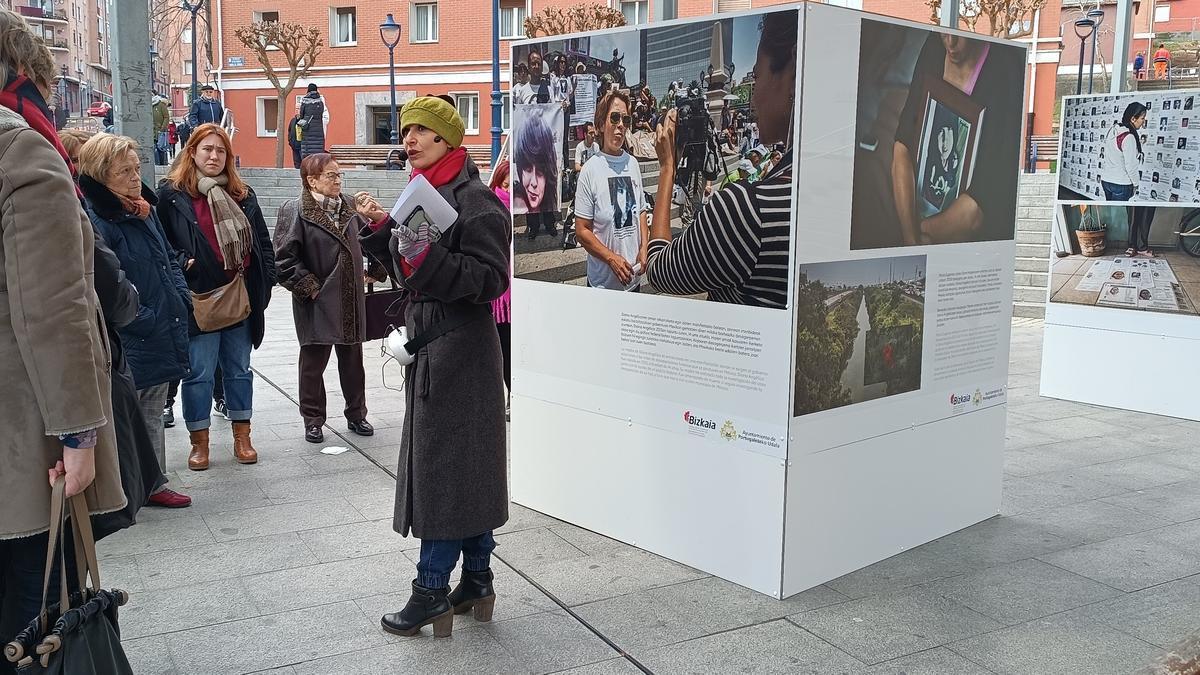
(233, 229)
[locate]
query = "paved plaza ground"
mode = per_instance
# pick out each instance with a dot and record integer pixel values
(1093, 565)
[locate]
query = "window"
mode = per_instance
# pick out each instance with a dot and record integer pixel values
(512, 21)
(506, 111)
(1162, 13)
(343, 30)
(261, 17)
(468, 109)
(268, 115)
(186, 37)
(425, 22)
(637, 11)
(187, 67)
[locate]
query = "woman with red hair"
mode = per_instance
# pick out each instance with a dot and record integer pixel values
(213, 222)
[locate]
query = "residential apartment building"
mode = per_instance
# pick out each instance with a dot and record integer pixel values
(445, 49)
(171, 43)
(77, 33)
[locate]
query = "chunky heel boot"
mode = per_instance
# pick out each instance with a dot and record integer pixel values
(474, 592)
(243, 451)
(426, 606)
(198, 457)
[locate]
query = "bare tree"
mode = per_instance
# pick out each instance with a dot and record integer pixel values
(574, 19)
(297, 47)
(1005, 18)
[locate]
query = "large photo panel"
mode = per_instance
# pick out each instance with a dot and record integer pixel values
(936, 158)
(1140, 148)
(587, 177)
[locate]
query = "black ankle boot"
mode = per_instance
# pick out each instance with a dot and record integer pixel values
(426, 606)
(474, 592)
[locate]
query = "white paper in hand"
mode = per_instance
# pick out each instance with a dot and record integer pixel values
(421, 203)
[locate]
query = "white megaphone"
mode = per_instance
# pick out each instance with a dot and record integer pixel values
(395, 342)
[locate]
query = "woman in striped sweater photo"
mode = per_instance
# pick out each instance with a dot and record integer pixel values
(737, 249)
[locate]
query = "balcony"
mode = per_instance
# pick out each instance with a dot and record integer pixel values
(42, 15)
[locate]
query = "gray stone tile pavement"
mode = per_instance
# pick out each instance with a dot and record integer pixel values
(285, 567)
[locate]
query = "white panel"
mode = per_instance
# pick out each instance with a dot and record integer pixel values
(695, 502)
(1080, 363)
(856, 505)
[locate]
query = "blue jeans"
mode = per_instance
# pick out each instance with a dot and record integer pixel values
(230, 348)
(439, 556)
(1116, 193)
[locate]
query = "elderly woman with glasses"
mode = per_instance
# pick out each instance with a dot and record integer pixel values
(320, 261)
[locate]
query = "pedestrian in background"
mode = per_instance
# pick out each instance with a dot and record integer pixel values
(206, 109)
(156, 341)
(1162, 60)
(318, 258)
(1139, 66)
(502, 306)
(162, 118)
(72, 140)
(213, 221)
(55, 405)
(295, 133)
(452, 486)
(314, 119)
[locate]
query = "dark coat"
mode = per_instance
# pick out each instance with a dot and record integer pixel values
(313, 253)
(204, 111)
(156, 341)
(452, 477)
(183, 232)
(140, 472)
(312, 109)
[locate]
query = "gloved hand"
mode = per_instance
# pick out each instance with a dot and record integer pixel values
(409, 244)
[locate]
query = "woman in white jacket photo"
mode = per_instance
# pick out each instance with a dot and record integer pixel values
(1119, 175)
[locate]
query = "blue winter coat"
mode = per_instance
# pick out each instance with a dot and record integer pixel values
(156, 341)
(204, 111)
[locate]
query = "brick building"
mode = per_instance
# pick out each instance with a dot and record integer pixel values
(77, 33)
(445, 49)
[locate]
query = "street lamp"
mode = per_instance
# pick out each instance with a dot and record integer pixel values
(194, 9)
(497, 104)
(1096, 15)
(153, 79)
(389, 32)
(1083, 30)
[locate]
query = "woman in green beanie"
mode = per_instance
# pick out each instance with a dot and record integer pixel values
(451, 484)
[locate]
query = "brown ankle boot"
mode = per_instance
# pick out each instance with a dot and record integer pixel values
(243, 452)
(198, 457)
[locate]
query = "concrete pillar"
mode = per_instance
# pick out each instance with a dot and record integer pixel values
(130, 42)
(1122, 39)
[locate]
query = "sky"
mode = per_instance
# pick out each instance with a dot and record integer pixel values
(628, 42)
(866, 272)
(745, 43)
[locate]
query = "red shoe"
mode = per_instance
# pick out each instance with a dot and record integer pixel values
(169, 499)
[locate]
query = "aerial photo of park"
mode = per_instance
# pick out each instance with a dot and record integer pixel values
(859, 332)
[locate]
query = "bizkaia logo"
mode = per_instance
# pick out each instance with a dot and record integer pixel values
(698, 421)
(959, 399)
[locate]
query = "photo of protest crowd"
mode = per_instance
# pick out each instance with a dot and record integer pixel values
(632, 165)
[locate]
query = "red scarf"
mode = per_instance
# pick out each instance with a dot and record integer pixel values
(22, 97)
(446, 169)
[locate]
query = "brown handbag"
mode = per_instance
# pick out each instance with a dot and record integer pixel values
(222, 307)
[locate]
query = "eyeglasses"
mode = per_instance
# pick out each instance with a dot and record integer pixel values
(333, 175)
(618, 118)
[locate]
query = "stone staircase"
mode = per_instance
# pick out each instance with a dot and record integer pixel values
(273, 187)
(1035, 213)
(1035, 209)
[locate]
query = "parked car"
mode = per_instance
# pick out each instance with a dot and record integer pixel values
(99, 109)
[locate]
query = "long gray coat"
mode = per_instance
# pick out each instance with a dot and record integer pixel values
(452, 481)
(313, 253)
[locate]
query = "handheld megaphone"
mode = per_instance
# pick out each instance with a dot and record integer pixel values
(395, 343)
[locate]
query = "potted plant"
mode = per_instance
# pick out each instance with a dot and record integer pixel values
(1091, 234)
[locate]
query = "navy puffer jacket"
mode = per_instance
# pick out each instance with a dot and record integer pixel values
(156, 341)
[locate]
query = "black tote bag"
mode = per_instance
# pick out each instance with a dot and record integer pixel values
(384, 310)
(79, 635)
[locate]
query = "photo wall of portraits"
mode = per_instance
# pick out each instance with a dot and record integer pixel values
(1167, 147)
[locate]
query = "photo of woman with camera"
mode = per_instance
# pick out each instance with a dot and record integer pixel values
(737, 250)
(610, 210)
